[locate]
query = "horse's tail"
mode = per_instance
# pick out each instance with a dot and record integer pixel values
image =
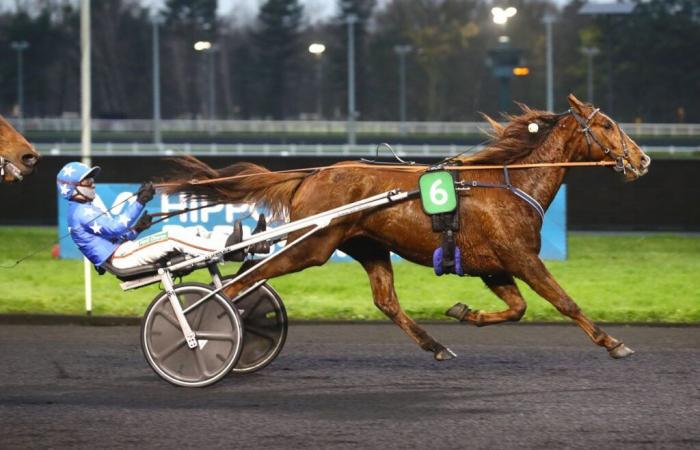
(239, 183)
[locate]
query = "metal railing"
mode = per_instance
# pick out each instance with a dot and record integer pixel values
(289, 150)
(315, 127)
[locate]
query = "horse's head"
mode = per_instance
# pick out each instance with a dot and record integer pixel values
(604, 140)
(17, 156)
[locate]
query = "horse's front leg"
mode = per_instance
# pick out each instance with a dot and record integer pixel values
(535, 274)
(503, 285)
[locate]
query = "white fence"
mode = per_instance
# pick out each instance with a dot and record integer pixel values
(317, 127)
(290, 150)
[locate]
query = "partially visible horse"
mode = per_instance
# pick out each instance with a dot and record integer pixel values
(18, 158)
(499, 236)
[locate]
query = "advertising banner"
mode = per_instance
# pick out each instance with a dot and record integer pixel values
(220, 218)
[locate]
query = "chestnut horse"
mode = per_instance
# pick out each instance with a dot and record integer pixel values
(18, 158)
(499, 233)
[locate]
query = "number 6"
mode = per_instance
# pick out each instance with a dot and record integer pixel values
(437, 195)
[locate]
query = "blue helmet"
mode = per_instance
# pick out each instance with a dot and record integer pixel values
(71, 175)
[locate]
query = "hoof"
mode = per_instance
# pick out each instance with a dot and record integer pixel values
(459, 311)
(621, 351)
(445, 354)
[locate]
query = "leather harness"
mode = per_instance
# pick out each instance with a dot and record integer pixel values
(446, 257)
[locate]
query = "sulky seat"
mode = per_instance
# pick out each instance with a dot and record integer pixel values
(132, 273)
(135, 273)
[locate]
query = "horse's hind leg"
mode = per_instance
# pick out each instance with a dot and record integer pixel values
(503, 285)
(377, 262)
(312, 251)
(541, 281)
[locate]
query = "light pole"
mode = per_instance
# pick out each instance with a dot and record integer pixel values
(548, 20)
(156, 21)
(19, 47)
(402, 51)
(317, 50)
(351, 20)
(86, 121)
(611, 13)
(503, 58)
(590, 53)
(206, 46)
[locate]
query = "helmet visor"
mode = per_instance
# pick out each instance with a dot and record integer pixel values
(92, 173)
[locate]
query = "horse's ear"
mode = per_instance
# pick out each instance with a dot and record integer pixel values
(496, 128)
(575, 103)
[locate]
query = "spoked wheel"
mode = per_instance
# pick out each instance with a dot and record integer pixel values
(218, 329)
(264, 327)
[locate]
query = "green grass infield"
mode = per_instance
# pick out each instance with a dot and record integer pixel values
(613, 278)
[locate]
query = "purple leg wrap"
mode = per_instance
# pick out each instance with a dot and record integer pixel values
(458, 262)
(437, 261)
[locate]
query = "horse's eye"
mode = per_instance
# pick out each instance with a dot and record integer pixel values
(608, 125)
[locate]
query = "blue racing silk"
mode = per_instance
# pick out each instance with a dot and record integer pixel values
(96, 233)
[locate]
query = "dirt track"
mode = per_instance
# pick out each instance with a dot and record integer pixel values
(359, 386)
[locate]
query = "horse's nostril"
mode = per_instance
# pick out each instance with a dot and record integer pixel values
(29, 160)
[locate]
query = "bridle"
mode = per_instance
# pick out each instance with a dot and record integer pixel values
(6, 164)
(622, 163)
(3, 162)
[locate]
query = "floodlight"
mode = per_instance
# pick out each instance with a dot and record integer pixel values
(202, 45)
(501, 16)
(317, 48)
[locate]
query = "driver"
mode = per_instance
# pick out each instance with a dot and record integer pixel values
(103, 238)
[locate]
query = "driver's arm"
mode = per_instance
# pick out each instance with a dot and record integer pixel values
(118, 226)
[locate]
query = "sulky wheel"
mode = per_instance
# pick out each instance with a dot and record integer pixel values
(218, 329)
(264, 327)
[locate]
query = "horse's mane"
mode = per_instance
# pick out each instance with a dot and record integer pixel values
(513, 141)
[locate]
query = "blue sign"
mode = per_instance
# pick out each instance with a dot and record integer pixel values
(553, 233)
(220, 218)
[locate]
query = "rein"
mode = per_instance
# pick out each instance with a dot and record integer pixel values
(167, 215)
(405, 168)
(461, 185)
(619, 163)
(57, 241)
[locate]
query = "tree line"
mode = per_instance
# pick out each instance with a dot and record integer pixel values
(645, 70)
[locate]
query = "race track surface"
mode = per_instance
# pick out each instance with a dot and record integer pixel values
(359, 386)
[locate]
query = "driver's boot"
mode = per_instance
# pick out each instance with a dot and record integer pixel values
(236, 237)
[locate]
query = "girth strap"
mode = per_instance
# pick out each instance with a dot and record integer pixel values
(530, 200)
(447, 257)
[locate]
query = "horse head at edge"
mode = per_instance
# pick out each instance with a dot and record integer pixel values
(18, 158)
